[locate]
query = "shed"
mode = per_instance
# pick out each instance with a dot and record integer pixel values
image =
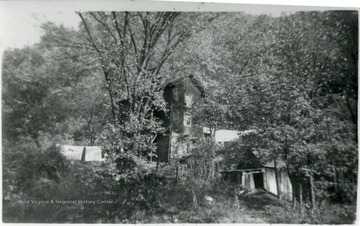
(252, 174)
(82, 153)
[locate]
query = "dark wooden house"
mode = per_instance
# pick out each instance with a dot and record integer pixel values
(181, 95)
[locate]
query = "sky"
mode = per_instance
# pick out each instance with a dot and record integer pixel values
(22, 27)
(20, 21)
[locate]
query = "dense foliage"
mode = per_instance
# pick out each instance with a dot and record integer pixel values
(292, 79)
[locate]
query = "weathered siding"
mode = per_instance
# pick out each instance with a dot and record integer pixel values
(173, 120)
(270, 180)
(176, 110)
(248, 181)
(284, 182)
(189, 86)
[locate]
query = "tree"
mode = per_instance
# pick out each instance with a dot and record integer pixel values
(130, 49)
(230, 49)
(89, 114)
(31, 105)
(46, 93)
(292, 92)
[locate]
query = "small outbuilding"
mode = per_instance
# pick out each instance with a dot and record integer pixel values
(82, 153)
(252, 175)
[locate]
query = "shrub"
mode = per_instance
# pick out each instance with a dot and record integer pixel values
(45, 175)
(345, 193)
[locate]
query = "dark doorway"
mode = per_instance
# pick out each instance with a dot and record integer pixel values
(259, 180)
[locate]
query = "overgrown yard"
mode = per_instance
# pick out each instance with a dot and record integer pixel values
(259, 207)
(87, 193)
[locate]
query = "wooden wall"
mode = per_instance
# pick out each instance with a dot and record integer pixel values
(270, 180)
(284, 182)
(178, 108)
(173, 120)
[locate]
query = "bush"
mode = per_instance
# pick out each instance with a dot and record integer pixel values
(142, 197)
(345, 193)
(45, 175)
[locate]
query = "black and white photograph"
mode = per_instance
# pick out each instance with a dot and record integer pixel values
(145, 112)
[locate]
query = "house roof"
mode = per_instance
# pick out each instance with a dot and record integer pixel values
(92, 153)
(173, 83)
(193, 78)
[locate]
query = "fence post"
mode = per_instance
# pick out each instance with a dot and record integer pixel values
(83, 155)
(312, 193)
(293, 198)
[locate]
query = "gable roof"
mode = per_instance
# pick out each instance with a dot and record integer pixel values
(91, 154)
(173, 83)
(193, 79)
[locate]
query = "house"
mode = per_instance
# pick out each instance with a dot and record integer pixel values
(82, 153)
(181, 95)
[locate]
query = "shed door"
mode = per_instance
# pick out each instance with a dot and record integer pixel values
(259, 180)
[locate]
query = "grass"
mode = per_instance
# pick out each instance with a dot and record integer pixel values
(258, 207)
(143, 202)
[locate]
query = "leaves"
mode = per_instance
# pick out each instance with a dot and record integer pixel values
(293, 79)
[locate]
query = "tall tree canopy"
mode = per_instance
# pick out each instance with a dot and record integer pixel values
(130, 49)
(292, 78)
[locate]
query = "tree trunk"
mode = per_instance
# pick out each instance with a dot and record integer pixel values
(277, 180)
(92, 140)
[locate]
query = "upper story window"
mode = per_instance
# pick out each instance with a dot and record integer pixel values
(188, 100)
(187, 119)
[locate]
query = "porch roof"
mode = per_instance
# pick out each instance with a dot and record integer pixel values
(242, 170)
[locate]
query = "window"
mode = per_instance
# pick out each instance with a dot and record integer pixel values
(187, 119)
(188, 100)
